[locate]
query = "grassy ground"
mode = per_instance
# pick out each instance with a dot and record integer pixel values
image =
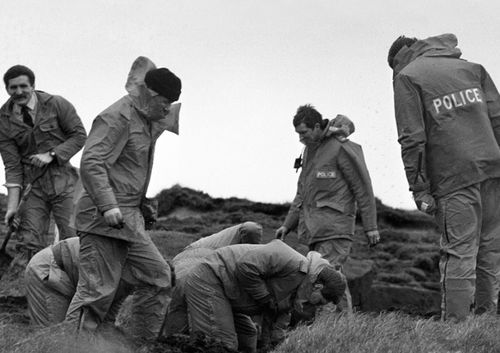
(393, 332)
(407, 256)
(359, 333)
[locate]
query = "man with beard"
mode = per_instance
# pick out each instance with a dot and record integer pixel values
(39, 133)
(115, 171)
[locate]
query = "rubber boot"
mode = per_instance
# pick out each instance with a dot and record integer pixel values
(458, 299)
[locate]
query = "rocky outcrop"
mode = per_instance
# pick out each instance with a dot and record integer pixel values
(368, 295)
(391, 297)
(360, 275)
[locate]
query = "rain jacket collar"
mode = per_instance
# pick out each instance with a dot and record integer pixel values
(442, 45)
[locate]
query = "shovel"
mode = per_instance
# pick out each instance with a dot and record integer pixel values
(5, 258)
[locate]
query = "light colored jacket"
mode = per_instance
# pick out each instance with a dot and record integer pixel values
(58, 266)
(448, 117)
(57, 127)
(334, 178)
(230, 236)
(250, 274)
(115, 169)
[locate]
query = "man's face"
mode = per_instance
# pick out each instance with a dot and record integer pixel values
(308, 135)
(317, 298)
(20, 89)
(158, 108)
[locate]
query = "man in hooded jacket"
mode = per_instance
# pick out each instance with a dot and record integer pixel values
(333, 183)
(51, 278)
(115, 171)
(448, 119)
(176, 320)
(250, 279)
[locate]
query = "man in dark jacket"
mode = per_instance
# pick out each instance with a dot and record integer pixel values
(448, 119)
(39, 133)
(333, 183)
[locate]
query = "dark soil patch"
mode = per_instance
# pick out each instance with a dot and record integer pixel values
(184, 344)
(13, 310)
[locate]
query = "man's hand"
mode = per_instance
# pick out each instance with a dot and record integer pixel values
(114, 218)
(373, 237)
(41, 159)
(281, 232)
(271, 308)
(425, 202)
(9, 215)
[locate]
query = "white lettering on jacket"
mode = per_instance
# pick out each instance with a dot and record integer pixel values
(457, 99)
(326, 174)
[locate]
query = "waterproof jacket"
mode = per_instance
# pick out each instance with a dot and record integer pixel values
(252, 274)
(58, 266)
(57, 128)
(229, 236)
(448, 117)
(115, 170)
(334, 178)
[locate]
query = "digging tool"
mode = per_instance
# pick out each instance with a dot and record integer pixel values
(5, 258)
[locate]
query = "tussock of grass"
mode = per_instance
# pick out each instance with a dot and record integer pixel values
(60, 339)
(393, 333)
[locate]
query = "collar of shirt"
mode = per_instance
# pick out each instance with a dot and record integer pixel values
(32, 104)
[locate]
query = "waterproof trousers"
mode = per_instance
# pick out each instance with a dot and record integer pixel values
(104, 263)
(48, 290)
(52, 193)
(469, 222)
(176, 320)
(336, 251)
(211, 314)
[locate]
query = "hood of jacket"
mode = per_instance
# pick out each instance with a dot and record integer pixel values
(442, 45)
(136, 88)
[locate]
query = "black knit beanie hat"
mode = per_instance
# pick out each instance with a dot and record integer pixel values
(164, 82)
(333, 284)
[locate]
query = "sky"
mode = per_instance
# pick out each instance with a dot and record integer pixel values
(245, 68)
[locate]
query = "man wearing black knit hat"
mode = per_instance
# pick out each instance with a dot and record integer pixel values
(115, 170)
(236, 281)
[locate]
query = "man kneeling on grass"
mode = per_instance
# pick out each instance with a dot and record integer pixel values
(241, 280)
(51, 278)
(176, 320)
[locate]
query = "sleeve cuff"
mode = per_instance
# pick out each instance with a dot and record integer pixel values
(12, 185)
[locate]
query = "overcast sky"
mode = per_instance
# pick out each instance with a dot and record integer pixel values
(245, 66)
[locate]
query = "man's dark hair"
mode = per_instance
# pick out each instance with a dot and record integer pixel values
(16, 71)
(308, 115)
(398, 44)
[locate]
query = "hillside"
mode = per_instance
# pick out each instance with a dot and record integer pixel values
(399, 274)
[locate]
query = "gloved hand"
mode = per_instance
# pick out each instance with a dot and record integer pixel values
(425, 202)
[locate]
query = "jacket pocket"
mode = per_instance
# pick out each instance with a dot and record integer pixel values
(330, 204)
(48, 126)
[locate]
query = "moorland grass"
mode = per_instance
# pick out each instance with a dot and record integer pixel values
(393, 333)
(330, 333)
(59, 339)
